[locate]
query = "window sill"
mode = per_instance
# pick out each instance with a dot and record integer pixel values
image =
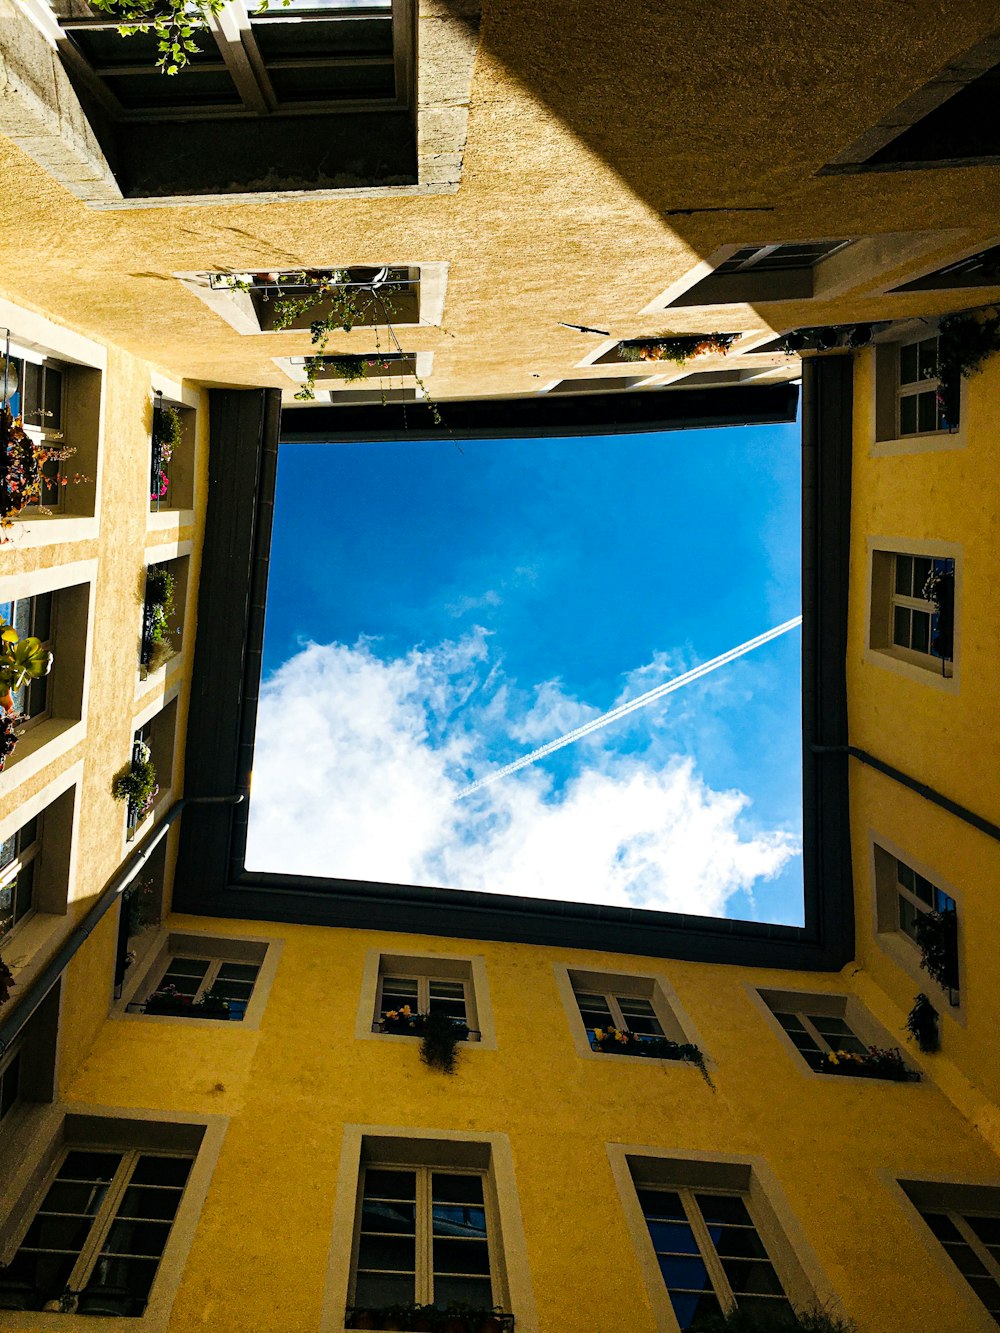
(38, 747)
(157, 520)
(938, 441)
(41, 531)
(892, 659)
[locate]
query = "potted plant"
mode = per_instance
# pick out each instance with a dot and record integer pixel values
(21, 661)
(677, 347)
(136, 783)
(922, 1024)
(937, 936)
(169, 1001)
(22, 468)
(167, 431)
(620, 1041)
(6, 981)
(939, 588)
(158, 605)
(965, 341)
(439, 1040)
(874, 1063)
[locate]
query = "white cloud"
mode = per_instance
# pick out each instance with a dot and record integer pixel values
(359, 762)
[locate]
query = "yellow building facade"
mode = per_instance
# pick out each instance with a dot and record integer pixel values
(541, 224)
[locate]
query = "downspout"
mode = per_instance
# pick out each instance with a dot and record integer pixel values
(54, 968)
(921, 788)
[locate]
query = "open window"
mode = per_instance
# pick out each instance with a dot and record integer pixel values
(752, 274)
(171, 456)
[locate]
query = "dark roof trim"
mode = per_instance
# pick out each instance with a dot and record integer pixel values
(211, 879)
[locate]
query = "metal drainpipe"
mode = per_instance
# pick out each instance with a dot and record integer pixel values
(53, 970)
(921, 788)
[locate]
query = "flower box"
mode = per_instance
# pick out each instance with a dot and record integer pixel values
(875, 1063)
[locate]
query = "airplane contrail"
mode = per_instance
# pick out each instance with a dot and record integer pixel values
(640, 701)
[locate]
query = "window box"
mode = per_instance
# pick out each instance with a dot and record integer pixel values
(171, 1003)
(874, 1063)
(429, 1319)
(824, 1031)
(616, 1041)
(167, 437)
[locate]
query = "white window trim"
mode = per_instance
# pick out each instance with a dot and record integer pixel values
(653, 986)
(470, 968)
(890, 658)
(795, 1262)
(918, 387)
(191, 943)
(838, 1003)
(427, 1147)
(896, 944)
(424, 981)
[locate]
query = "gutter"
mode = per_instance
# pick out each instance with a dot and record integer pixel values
(38, 989)
(921, 788)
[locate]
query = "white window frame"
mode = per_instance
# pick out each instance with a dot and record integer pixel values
(41, 435)
(424, 1274)
(211, 973)
(423, 1001)
(931, 383)
(912, 603)
(613, 1000)
(468, 968)
(22, 858)
(707, 1251)
(879, 649)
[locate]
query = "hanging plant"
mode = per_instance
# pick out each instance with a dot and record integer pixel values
(439, 1041)
(965, 342)
(825, 338)
(168, 430)
(8, 736)
(937, 935)
(22, 464)
(939, 588)
(156, 647)
(922, 1024)
(677, 347)
(175, 23)
(140, 908)
(6, 981)
(136, 783)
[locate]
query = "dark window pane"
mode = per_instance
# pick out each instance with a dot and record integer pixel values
(113, 1281)
(238, 972)
(463, 1291)
(380, 1215)
(333, 82)
(723, 1208)
(768, 1308)
(921, 573)
(908, 415)
(358, 38)
(690, 1274)
(67, 1197)
(739, 1243)
(460, 1256)
(908, 364)
(459, 1220)
(964, 1258)
(942, 1226)
(381, 1184)
(42, 617)
(52, 399)
(672, 1237)
(926, 412)
(396, 1253)
(908, 915)
(748, 1276)
(986, 1228)
(456, 1189)
(662, 1204)
(927, 358)
(192, 86)
(154, 1170)
(988, 1292)
(127, 1237)
(921, 631)
(692, 1306)
(10, 1084)
(89, 1165)
(58, 1233)
(901, 626)
(904, 575)
(383, 1289)
(149, 1203)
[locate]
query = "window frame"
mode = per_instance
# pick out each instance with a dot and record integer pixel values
(207, 982)
(424, 982)
(639, 1166)
(467, 968)
(884, 859)
(674, 1020)
(425, 1274)
(979, 1198)
(881, 601)
(921, 385)
(830, 1004)
(141, 980)
(23, 857)
(32, 719)
(109, 1129)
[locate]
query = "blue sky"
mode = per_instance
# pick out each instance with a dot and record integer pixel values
(442, 612)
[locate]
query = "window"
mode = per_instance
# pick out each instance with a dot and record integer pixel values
(95, 1243)
(423, 1237)
(965, 1220)
(163, 610)
(441, 984)
(10, 1080)
(269, 88)
(710, 1254)
(913, 609)
(981, 269)
(921, 409)
(379, 294)
(37, 399)
(913, 908)
(425, 995)
(203, 987)
(32, 616)
(18, 857)
(190, 975)
(752, 273)
(646, 1006)
(27, 1066)
(835, 1035)
(153, 743)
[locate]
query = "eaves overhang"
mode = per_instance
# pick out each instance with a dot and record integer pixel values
(211, 878)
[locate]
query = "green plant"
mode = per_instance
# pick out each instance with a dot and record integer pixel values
(160, 587)
(922, 1024)
(136, 783)
(874, 1063)
(140, 907)
(815, 1320)
(620, 1041)
(167, 429)
(349, 368)
(937, 935)
(21, 660)
(6, 981)
(439, 1041)
(175, 23)
(678, 347)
